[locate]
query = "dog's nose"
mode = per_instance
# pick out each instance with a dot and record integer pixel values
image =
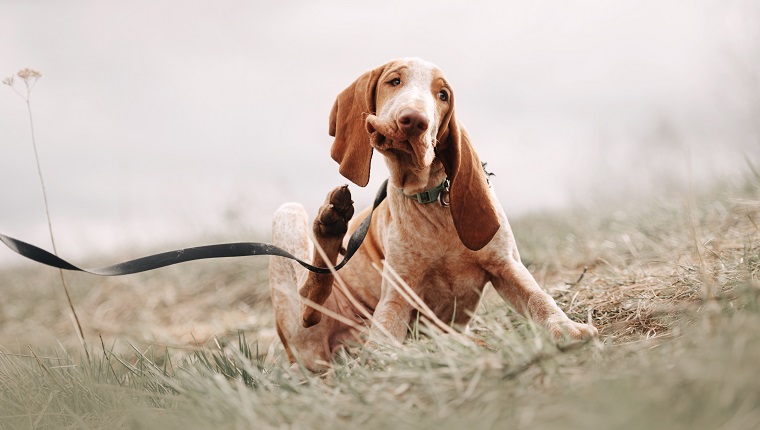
(412, 122)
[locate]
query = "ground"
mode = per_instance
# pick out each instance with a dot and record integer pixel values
(671, 283)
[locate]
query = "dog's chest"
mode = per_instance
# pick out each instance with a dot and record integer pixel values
(452, 289)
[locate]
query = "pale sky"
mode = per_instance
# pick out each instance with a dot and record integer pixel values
(175, 122)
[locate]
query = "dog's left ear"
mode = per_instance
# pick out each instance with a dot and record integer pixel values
(351, 148)
(472, 210)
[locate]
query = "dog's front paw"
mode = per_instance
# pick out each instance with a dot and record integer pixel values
(332, 218)
(566, 329)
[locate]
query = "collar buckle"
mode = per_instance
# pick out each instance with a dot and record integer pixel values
(439, 193)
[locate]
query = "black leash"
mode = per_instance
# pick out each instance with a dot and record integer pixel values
(240, 249)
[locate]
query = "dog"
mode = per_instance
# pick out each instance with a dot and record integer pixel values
(445, 249)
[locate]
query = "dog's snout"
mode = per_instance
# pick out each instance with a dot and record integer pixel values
(412, 121)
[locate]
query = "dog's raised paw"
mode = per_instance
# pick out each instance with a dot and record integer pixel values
(332, 218)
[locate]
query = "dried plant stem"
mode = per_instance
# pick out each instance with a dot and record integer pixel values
(416, 302)
(344, 289)
(77, 324)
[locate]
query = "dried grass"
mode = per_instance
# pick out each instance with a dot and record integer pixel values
(643, 269)
(178, 306)
(673, 288)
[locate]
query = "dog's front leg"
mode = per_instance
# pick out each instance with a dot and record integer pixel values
(329, 227)
(393, 312)
(516, 285)
(391, 319)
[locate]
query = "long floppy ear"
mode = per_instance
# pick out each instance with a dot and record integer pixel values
(474, 215)
(351, 148)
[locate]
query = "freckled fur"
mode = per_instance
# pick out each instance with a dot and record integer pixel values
(445, 254)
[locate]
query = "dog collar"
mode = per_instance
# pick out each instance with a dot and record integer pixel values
(439, 193)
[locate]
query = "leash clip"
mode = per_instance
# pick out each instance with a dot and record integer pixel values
(443, 197)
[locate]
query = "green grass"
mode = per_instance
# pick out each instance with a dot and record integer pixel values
(672, 285)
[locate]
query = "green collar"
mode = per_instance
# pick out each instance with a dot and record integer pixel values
(438, 193)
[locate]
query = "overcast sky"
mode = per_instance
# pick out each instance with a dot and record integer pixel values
(173, 121)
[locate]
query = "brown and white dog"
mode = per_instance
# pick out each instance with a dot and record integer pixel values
(404, 109)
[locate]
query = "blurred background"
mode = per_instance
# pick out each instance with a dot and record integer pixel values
(176, 123)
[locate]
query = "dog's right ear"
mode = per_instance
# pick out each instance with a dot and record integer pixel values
(351, 148)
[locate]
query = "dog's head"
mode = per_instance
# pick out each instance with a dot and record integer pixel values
(406, 107)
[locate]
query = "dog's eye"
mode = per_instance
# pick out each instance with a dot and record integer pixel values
(395, 82)
(443, 95)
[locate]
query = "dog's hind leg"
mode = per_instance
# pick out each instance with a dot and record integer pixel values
(294, 290)
(330, 228)
(290, 232)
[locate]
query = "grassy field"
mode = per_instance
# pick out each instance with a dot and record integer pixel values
(672, 284)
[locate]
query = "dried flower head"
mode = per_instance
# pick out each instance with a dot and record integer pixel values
(29, 77)
(28, 74)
